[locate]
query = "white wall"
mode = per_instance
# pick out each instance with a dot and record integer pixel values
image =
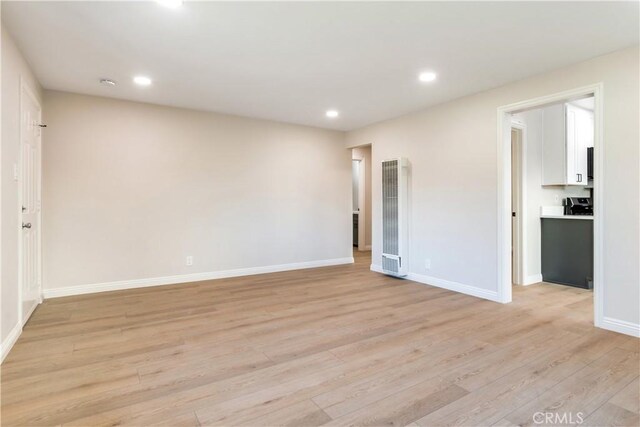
(14, 67)
(364, 154)
(130, 190)
(453, 204)
(536, 194)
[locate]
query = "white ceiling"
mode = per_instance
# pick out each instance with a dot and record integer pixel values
(292, 61)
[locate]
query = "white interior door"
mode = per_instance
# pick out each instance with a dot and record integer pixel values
(30, 138)
(579, 137)
(515, 206)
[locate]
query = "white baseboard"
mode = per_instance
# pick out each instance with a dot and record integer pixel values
(31, 310)
(447, 284)
(532, 279)
(7, 344)
(9, 341)
(621, 326)
(186, 278)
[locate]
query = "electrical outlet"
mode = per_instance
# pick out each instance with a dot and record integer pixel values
(189, 260)
(427, 264)
(557, 198)
(15, 172)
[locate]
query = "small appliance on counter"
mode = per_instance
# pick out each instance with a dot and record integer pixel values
(578, 206)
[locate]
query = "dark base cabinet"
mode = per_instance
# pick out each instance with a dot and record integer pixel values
(567, 252)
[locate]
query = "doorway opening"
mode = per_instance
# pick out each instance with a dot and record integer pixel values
(361, 197)
(550, 152)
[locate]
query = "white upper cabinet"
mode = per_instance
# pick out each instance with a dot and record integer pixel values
(568, 132)
(554, 156)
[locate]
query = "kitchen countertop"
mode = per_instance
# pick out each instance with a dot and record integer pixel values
(584, 217)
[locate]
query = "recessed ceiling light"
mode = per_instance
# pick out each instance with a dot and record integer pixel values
(142, 80)
(171, 4)
(332, 114)
(427, 76)
(107, 82)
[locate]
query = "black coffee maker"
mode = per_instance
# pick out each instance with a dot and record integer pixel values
(578, 206)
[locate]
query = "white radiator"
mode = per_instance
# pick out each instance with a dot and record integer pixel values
(395, 234)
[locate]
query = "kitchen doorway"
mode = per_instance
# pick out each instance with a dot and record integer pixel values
(559, 199)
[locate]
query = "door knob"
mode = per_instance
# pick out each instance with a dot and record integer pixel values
(27, 225)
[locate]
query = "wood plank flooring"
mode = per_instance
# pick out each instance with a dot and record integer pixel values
(329, 346)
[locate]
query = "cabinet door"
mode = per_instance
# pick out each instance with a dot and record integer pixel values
(579, 137)
(572, 145)
(554, 162)
(585, 140)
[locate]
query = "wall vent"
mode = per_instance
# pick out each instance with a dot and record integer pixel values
(394, 217)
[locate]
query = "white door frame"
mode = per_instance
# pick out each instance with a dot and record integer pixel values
(504, 189)
(24, 88)
(520, 252)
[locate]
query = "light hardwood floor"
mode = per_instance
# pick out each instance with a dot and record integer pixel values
(336, 345)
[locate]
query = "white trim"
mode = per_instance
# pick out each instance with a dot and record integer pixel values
(447, 284)
(186, 278)
(621, 326)
(31, 310)
(455, 286)
(504, 206)
(532, 279)
(504, 190)
(598, 220)
(9, 341)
